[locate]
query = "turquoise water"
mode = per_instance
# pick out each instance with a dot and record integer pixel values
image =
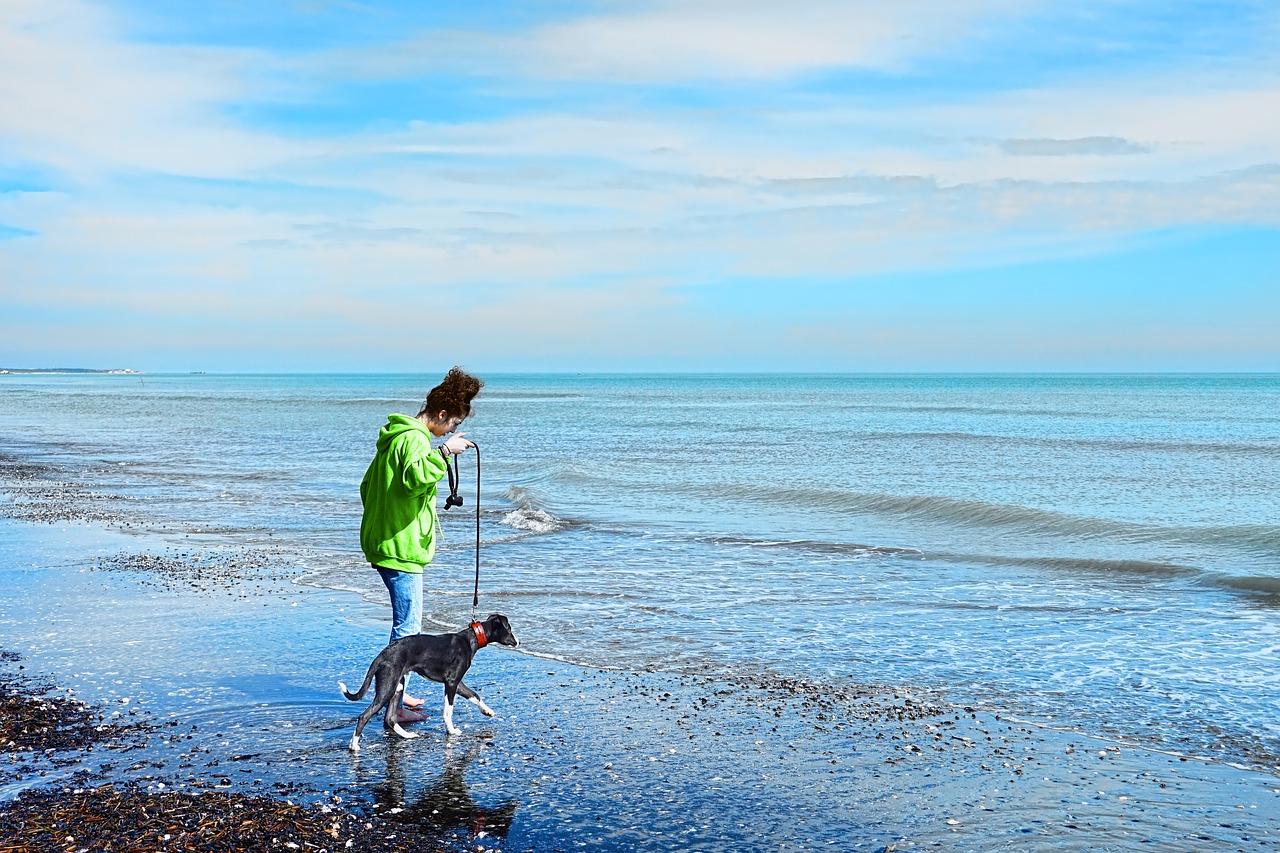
(1101, 552)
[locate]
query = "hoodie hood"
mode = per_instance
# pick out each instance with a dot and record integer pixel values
(398, 425)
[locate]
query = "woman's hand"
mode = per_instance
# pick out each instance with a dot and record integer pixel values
(457, 444)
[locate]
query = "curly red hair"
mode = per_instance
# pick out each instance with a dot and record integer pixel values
(453, 396)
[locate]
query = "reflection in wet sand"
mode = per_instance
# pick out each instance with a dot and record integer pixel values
(445, 804)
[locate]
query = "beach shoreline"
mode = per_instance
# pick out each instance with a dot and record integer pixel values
(218, 642)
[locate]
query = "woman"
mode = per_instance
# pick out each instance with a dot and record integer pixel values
(399, 526)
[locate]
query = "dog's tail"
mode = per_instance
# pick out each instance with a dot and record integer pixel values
(359, 694)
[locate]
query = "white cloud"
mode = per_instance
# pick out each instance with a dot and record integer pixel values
(77, 96)
(1096, 146)
(736, 39)
(690, 40)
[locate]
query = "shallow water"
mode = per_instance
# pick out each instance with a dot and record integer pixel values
(240, 678)
(1102, 552)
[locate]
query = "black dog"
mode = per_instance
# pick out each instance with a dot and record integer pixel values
(440, 657)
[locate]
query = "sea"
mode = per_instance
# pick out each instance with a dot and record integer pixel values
(1098, 553)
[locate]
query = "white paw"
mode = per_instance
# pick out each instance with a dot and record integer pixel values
(404, 734)
(453, 730)
(354, 746)
(487, 711)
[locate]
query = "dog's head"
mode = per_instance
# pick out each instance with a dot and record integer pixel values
(498, 630)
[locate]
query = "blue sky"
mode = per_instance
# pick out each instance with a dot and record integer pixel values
(988, 185)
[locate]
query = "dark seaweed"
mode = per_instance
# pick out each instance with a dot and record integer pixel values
(132, 819)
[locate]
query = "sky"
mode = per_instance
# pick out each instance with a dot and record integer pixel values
(695, 185)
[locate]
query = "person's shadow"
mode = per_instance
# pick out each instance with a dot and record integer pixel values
(445, 804)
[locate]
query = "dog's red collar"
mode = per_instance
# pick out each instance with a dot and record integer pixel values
(479, 632)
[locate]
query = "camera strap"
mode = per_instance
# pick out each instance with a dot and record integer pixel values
(454, 498)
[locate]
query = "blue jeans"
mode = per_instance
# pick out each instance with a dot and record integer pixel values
(406, 605)
(405, 589)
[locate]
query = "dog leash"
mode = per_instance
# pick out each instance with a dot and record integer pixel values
(454, 499)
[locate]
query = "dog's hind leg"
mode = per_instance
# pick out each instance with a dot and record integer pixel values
(467, 693)
(392, 718)
(382, 695)
(393, 702)
(365, 716)
(407, 735)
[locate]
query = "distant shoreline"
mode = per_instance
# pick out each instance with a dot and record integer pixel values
(123, 370)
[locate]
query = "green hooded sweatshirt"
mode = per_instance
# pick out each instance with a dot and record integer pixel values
(399, 496)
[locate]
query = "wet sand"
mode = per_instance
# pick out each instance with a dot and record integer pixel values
(232, 668)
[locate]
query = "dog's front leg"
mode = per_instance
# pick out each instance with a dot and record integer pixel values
(467, 693)
(449, 693)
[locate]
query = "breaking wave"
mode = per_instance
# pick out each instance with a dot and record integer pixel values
(528, 515)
